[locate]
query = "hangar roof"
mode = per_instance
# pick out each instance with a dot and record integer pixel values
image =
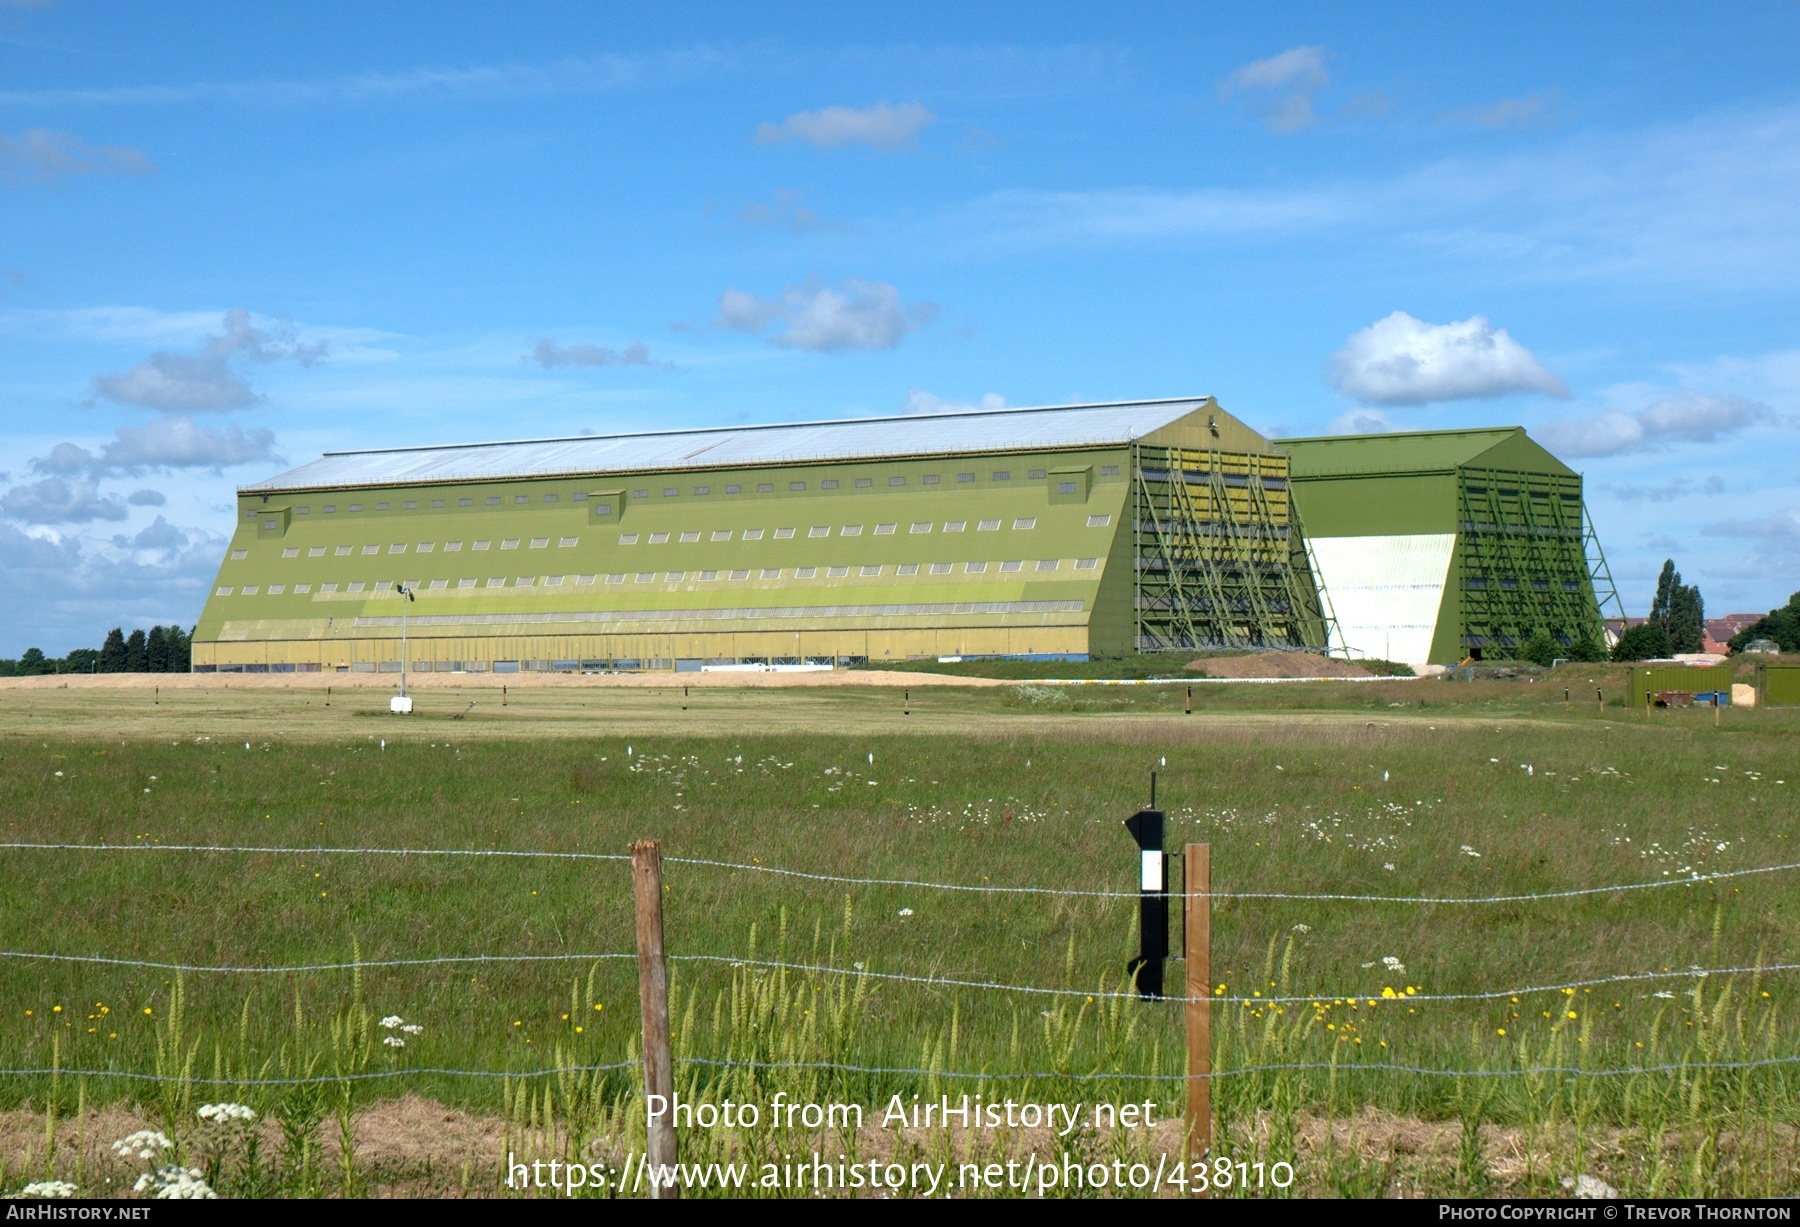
(1419, 451)
(976, 431)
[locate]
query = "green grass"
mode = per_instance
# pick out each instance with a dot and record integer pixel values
(1298, 789)
(1161, 665)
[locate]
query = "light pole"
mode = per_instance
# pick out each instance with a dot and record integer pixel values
(401, 704)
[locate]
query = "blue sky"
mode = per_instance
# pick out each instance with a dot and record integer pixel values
(233, 238)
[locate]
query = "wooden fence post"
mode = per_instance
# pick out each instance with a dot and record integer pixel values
(1197, 925)
(653, 1004)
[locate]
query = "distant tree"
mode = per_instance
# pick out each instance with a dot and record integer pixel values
(180, 649)
(1541, 649)
(156, 651)
(1666, 584)
(1782, 625)
(135, 660)
(1585, 649)
(112, 652)
(1679, 609)
(34, 662)
(1646, 641)
(80, 660)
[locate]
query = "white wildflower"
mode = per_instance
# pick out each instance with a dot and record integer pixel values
(1393, 964)
(1589, 1188)
(49, 1188)
(226, 1113)
(145, 1144)
(1468, 851)
(1302, 929)
(175, 1182)
(413, 1029)
(393, 1041)
(392, 1021)
(1384, 776)
(1388, 865)
(905, 911)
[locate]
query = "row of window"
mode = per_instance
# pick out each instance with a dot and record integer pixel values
(670, 577)
(765, 487)
(691, 535)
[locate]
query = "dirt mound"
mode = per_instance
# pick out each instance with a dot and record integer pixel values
(1276, 664)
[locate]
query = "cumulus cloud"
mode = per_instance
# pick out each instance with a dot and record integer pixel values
(159, 536)
(1781, 524)
(1280, 88)
(882, 126)
(147, 498)
(548, 354)
(920, 401)
(168, 443)
(854, 314)
(39, 155)
(1669, 491)
(1686, 417)
(206, 382)
(59, 500)
(1522, 112)
(1361, 421)
(784, 211)
(1403, 361)
(22, 551)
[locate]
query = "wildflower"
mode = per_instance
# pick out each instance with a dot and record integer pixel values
(413, 1029)
(905, 911)
(1308, 929)
(391, 1021)
(49, 1188)
(175, 1182)
(1502, 1030)
(393, 1041)
(225, 1113)
(1394, 965)
(146, 1144)
(1468, 851)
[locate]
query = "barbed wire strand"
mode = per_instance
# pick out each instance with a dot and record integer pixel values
(1694, 973)
(1428, 900)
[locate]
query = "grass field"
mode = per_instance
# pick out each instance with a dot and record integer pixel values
(1405, 788)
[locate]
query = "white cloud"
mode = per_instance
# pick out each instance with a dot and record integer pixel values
(60, 500)
(205, 382)
(148, 498)
(786, 212)
(1685, 417)
(1360, 421)
(39, 155)
(854, 314)
(1671, 490)
(1403, 361)
(882, 126)
(1525, 111)
(159, 536)
(1280, 88)
(168, 443)
(548, 354)
(920, 401)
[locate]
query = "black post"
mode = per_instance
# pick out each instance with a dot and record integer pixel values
(1146, 827)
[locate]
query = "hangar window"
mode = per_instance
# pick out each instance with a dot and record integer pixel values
(371, 549)
(987, 526)
(1509, 583)
(1109, 470)
(1540, 585)
(1012, 566)
(837, 572)
(1002, 475)
(565, 542)
(465, 583)
(327, 587)
(301, 511)
(399, 547)
(411, 504)
(355, 506)
(521, 498)
(550, 498)
(782, 534)
(850, 530)
(721, 534)
(437, 502)
(1086, 564)
(675, 577)
(765, 487)
(440, 583)
(940, 568)
(930, 479)
(702, 489)
(955, 526)
(628, 538)
(753, 534)
(805, 572)
(863, 483)
(615, 579)
(1100, 521)
(452, 547)
(658, 538)
(830, 483)
(1049, 564)
(907, 568)
(734, 489)
(965, 477)
(538, 543)
(493, 500)
(381, 506)
(1034, 475)
(923, 526)
(1026, 522)
(354, 587)
(291, 552)
(974, 568)
(691, 536)
(384, 585)
(302, 589)
(225, 591)
(509, 543)
(771, 572)
(796, 485)
(740, 575)
(330, 507)
(640, 494)
(645, 577)
(496, 581)
(896, 481)
(424, 547)
(1065, 487)
(317, 551)
(670, 491)
(884, 530)
(237, 554)
(465, 502)
(815, 531)
(1570, 585)
(871, 570)
(481, 545)
(553, 581)
(580, 496)
(708, 576)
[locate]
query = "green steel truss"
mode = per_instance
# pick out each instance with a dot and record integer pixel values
(1525, 542)
(1217, 560)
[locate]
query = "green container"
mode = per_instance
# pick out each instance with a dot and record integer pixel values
(1778, 685)
(1680, 679)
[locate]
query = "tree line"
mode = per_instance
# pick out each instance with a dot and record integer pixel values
(163, 649)
(1677, 621)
